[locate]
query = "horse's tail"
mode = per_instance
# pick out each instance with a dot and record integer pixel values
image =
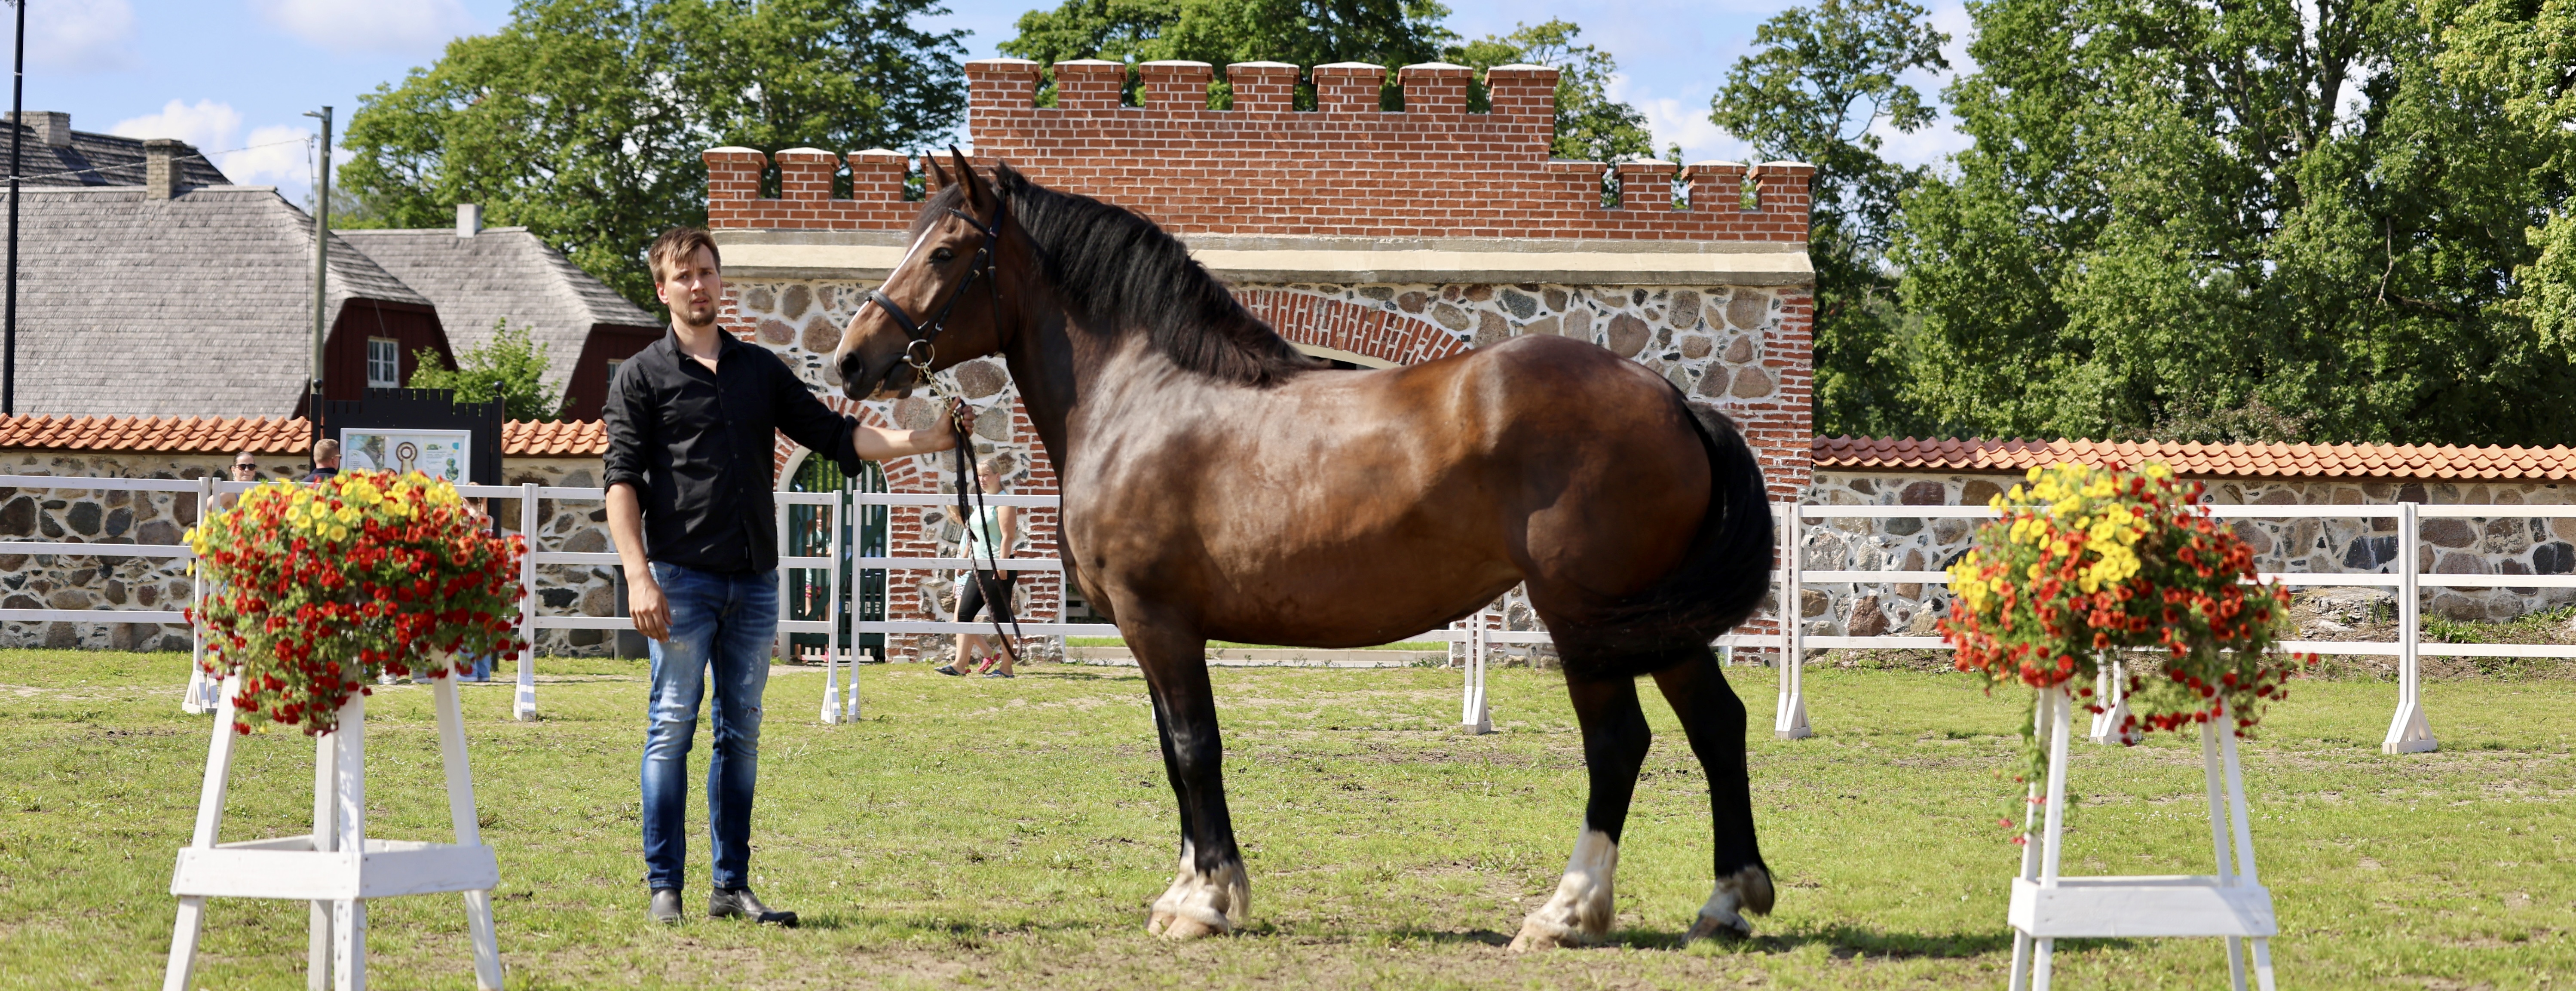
(1724, 577)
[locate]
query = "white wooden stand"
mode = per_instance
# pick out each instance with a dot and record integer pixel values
(337, 868)
(1474, 715)
(1789, 721)
(523, 706)
(2408, 733)
(2232, 903)
(840, 702)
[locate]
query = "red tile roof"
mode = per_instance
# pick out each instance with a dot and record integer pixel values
(2388, 461)
(266, 435)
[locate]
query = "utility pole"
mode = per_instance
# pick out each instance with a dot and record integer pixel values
(17, 139)
(321, 267)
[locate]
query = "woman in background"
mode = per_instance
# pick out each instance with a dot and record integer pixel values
(990, 534)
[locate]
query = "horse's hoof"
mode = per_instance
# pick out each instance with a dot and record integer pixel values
(1731, 928)
(1540, 935)
(1182, 929)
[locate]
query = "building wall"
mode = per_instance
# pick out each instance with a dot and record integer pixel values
(587, 390)
(1742, 349)
(2502, 545)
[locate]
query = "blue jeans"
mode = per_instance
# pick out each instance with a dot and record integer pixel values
(728, 622)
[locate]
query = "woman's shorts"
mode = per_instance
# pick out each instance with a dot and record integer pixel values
(972, 601)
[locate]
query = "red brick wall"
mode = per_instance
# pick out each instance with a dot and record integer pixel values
(1433, 170)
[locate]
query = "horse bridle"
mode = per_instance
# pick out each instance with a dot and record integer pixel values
(921, 347)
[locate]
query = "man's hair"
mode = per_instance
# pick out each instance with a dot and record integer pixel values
(254, 457)
(325, 449)
(675, 246)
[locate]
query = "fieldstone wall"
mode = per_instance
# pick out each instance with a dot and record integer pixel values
(75, 581)
(1743, 349)
(2491, 546)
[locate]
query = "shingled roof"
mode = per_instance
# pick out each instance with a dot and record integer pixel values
(2358, 461)
(52, 154)
(262, 434)
(198, 305)
(502, 273)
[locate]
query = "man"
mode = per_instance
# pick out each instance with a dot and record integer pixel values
(691, 420)
(326, 460)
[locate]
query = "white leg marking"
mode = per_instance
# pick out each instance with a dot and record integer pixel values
(1580, 912)
(1198, 903)
(1746, 890)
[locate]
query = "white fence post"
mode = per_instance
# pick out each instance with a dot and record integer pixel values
(524, 708)
(199, 698)
(1790, 723)
(2409, 732)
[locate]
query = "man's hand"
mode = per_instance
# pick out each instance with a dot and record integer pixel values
(645, 604)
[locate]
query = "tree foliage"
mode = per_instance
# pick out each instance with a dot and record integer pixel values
(583, 119)
(512, 365)
(1815, 88)
(1306, 33)
(1590, 126)
(2184, 218)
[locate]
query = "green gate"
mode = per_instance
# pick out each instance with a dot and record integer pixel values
(808, 536)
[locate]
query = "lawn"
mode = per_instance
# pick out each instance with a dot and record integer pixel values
(1009, 834)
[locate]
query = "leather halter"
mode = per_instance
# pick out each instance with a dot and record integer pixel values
(921, 349)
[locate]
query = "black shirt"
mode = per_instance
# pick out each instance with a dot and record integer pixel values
(697, 446)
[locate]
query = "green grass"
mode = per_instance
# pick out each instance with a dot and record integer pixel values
(1010, 833)
(1228, 644)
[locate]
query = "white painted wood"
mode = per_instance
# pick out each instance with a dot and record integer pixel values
(523, 705)
(1789, 722)
(2111, 692)
(318, 922)
(1475, 716)
(349, 913)
(2232, 903)
(210, 816)
(469, 831)
(2408, 731)
(2140, 907)
(198, 698)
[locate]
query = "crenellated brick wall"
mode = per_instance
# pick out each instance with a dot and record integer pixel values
(1432, 170)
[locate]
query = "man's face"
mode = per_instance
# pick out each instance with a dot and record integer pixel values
(692, 287)
(245, 471)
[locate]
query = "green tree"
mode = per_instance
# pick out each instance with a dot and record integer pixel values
(1590, 126)
(583, 119)
(1218, 32)
(2181, 218)
(512, 363)
(1817, 84)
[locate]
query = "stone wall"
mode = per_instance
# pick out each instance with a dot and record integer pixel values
(2500, 545)
(67, 581)
(1743, 349)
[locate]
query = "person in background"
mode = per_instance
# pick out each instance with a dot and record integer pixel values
(245, 468)
(326, 460)
(691, 421)
(990, 534)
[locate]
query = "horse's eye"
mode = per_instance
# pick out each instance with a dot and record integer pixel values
(941, 255)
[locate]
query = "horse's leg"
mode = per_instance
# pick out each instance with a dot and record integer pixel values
(1615, 738)
(1713, 718)
(1211, 894)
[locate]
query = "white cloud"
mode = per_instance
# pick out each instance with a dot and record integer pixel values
(89, 36)
(208, 125)
(272, 155)
(1679, 121)
(407, 27)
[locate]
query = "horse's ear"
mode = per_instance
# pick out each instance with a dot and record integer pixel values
(938, 176)
(977, 195)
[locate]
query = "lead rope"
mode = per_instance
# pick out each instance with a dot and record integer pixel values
(996, 594)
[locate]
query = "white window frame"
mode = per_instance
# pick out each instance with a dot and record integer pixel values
(376, 363)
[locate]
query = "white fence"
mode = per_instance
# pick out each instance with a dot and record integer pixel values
(2408, 729)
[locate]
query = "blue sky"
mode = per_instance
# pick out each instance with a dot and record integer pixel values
(234, 76)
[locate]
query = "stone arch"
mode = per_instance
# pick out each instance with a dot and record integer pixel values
(1380, 332)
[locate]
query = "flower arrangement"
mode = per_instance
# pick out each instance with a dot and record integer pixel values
(315, 590)
(2087, 561)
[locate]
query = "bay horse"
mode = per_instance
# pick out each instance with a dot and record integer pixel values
(1217, 483)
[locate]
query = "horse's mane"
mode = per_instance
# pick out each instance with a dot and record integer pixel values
(1118, 273)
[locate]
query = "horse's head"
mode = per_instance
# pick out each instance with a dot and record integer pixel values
(942, 303)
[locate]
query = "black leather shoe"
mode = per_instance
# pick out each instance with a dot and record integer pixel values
(666, 906)
(725, 904)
